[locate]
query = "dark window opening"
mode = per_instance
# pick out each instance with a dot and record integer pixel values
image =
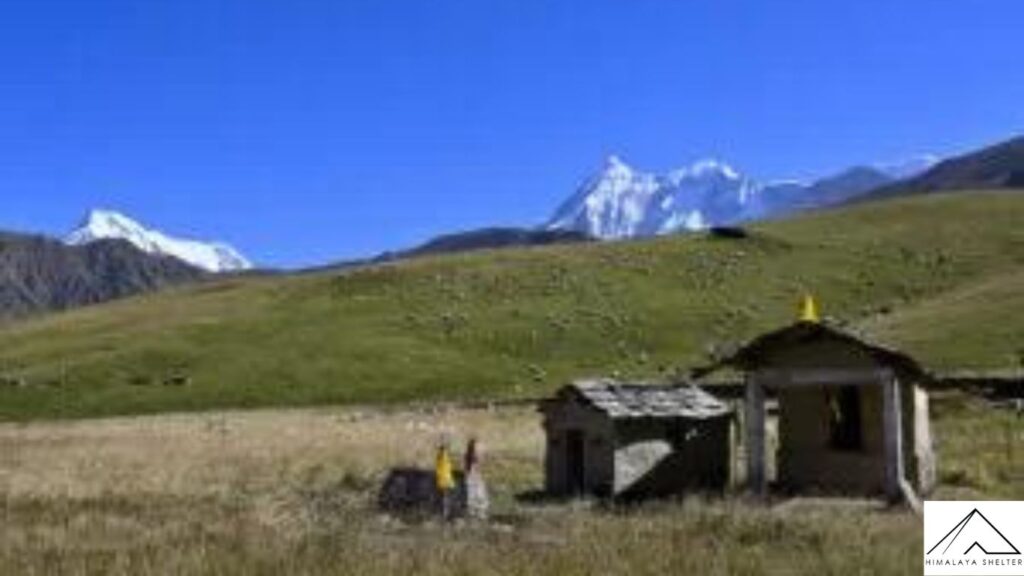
(845, 418)
(575, 463)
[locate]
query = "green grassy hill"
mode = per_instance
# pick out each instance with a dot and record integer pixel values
(941, 275)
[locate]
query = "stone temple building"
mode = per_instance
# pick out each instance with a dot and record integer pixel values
(636, 440)
(852, 415)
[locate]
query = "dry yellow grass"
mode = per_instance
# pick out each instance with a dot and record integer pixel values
(292, 492)
(216, 454)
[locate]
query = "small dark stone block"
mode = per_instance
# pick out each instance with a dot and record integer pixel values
(728, 232)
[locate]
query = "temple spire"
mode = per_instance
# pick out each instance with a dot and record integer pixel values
(809, 310)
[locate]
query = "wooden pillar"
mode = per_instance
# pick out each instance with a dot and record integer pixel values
(755, 435)
(892, 421)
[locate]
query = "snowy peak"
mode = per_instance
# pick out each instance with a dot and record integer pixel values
(108, 224)
(614, 167)
(621, 202)
(611, 204)
(707, 168)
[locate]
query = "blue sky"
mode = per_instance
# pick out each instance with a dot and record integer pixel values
(308, 131)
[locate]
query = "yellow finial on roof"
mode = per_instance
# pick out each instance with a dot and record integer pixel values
(809, 309)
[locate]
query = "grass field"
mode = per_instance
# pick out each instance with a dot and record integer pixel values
(292, 492)
(942, 276)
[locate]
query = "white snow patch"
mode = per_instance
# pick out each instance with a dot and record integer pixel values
(108, 224)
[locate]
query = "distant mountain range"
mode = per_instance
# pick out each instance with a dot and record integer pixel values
(620, 202)
(40, 274)
(111, 255)
(996, 167)
(110, 225)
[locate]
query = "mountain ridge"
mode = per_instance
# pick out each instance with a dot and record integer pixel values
(101, 224)
(487, 238)
(620, 202)
(999, 166)
(41, 274)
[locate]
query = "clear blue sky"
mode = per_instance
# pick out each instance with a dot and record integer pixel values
(309, 131)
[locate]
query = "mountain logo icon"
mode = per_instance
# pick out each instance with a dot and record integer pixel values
(974, 532)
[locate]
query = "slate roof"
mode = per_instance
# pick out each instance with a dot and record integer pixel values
(758, 351)
(638, 400)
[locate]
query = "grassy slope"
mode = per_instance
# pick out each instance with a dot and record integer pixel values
(971, 327)
(937, 273)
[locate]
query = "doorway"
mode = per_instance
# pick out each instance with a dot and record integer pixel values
(575, 462)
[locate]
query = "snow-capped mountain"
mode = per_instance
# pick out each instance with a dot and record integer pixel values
(612, 204)
(621, 202)
(107, 224)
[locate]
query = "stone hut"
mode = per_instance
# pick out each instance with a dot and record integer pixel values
(635, 440)
(852, 415)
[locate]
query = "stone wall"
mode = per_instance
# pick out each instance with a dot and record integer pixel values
(671, 456)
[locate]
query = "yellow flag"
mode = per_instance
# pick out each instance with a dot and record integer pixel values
(443, 471)
(809, 310)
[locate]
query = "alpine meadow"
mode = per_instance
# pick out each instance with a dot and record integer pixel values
(940, 276)
(511, 288)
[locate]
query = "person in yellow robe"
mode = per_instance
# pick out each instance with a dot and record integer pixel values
(444, 479)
